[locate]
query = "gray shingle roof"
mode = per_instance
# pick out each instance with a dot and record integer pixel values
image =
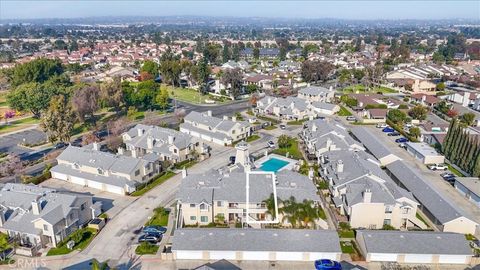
(440, 207)
(374, 146)
(414, 242)
(256, 240)
(160, 137)
(314, 90)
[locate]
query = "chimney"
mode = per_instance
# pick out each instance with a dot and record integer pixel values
(120, 151)
(36, 207)
(225, 117)
(95, 146)
(134, 153)
(184, 173)
(2, 218)
(139, 131)
(234, 118)
(149, 142)
(367, 196)
(209, 113)
(424, 97)
(330, 89)
(170, 139)
(339, 166)
(314, 127)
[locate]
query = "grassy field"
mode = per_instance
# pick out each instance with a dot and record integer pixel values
(344, 112)
(87, 237)
(297, 122)
(160, 217)
(293, 150)
(346, 234)
(159, 180)
(361, 88)
(18, 124)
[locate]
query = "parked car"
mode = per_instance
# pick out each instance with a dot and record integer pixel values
(152, 229)
(437, 167)
(325, 264)
(152, 239)
(61, 145)
(382, 125)
(447, 175)
(394, 134)
(282, 126)
(388, 129)
(266, 124)
(401, 140)
(351, 118)
(402, 145)
(271, 144)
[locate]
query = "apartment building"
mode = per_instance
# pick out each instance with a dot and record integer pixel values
(364, 193)
(212, 129)
(317, 93)
(167, 144)
(93, 168)
(213, 196)
(37, 217)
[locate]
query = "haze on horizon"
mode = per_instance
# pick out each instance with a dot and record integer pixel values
(422, 10)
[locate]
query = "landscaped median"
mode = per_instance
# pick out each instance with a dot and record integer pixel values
(157, 181)
(81, 237)
(160, 218)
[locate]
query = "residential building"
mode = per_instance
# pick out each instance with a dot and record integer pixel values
(425, 100)
(465, 98)
(446, 216)
(375, 147)
(212, 129)
(93, 168)
(242, 64)
(255, 244)
(469, 187)
(414, 247)
(317, 93)
(363, 192)
(424, 152)
(289, 108)
(167, 144)
(38, 217)
(205, 198)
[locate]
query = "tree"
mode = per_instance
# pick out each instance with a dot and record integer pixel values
(233, 78)
(111, 94)
(11, 166)
(418, 112)
(38, 70)
(96, 265)
(452, 113)
(85, 102)
(270, 205)
(32, 97)
(397, 116)
(162, 97)
(256, 53)
(467, 118)
(9, 114)
(89, 138)
(414, 131)
(4, 244)
(441, 86)
(284, 141)
(58, 120)
(314, 71)
(150, 67)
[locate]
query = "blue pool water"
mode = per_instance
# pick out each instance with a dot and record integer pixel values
(273, 165)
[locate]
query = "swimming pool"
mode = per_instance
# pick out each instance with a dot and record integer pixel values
(273, 165)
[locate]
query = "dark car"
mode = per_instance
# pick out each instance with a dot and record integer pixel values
(388, 129)
(401, 140)
(325, 264)
(393, 134)
(61, 145)
(232, 159)
(152, 239)
(154, 229)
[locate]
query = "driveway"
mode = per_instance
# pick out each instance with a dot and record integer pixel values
(433, 176)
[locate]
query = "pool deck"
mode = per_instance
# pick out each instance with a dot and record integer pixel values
(289, 166)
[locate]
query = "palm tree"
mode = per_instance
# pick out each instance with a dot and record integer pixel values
(308, 213)
(289, 211)
(270, 204)
(96, 265)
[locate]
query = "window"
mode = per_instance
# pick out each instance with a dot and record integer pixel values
(387, 221)
(204, 219)
(82, 207)
(45, 227)
(203, 207)
(233, 131)
(192, 205)
(219, 203)
(149, 165)
(388, 209)
(175, 151)
(137, 172)
(193, 218)
(405, 210)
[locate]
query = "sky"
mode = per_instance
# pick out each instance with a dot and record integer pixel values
(386, 9)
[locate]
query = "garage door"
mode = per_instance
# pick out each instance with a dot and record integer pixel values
(418, 258)
(207, 138)
(94, 184)
(77, 180)
(218, 255)
(60, 176)
(452, 259)
(289, 256)
(313, 256)
(382, 257)
(115, 189)
(217, 141)
(255, 256)
(189, 255)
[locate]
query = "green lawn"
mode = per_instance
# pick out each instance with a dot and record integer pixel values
(252, 138)
(187, 95)
(344, 112)
(159, 180)
(88, 235)
(361, 88)
(347, 247)
(293, 150)
(421, 219)
(160, 217)
(297, 122)
(268, 119)
(146, 248)
(186, 163)
(18, 124)
(270, 127)
(346, 234)
(454, 171)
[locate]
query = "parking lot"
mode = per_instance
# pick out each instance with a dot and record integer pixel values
(10, 143)
(434, 176)
(112, 203)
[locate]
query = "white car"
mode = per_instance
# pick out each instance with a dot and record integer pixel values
(382, 125)
(271, 144)
(437, 167)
